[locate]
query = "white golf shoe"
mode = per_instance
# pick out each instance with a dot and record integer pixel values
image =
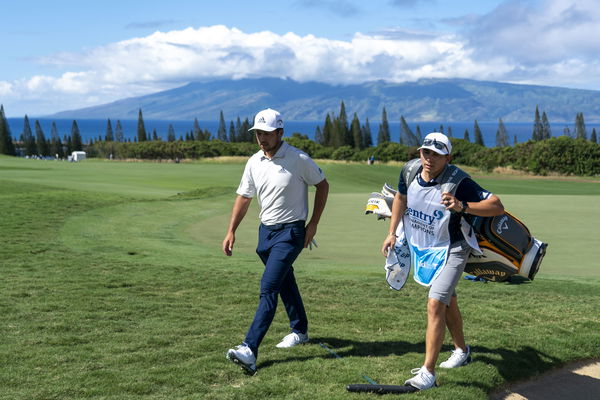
(292, 340)
(457, 359)
(243, 356)
(422, 379)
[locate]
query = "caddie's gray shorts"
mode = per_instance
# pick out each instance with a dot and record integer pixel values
(442, 288)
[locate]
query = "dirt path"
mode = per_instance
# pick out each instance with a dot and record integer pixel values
(579, 381)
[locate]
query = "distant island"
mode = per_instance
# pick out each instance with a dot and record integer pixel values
(451, 100)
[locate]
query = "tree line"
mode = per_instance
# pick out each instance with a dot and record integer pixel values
(336, 133)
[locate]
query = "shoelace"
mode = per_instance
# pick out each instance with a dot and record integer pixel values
(415, 371)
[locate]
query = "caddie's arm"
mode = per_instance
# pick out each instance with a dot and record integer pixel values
(240, 207)
(489, 207)
(398, 210)
(319, 205)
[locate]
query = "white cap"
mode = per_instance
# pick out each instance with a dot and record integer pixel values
(437, 142)
(268, 120)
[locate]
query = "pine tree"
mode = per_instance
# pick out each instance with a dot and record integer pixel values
(466, 135)
(357, 137)
(419, 135)
(593, 137)
(40, 140)
(155, 135)
(109, 137)
(232, 136)
(501, 135)
(441, 129)
(119, 132)
(196, 131)
(383, 135)
(537, 127)
(406, 135)
(238, 130)
(56, 146)
(580, 131)
(449, 134)
(247, 135)
(222, 131)
(27, 138)
(514, 140)
(76, 142)
(327, 131)
(69, 143)
(319, 136)
(366, 132)
(546, 131)
(478, 135)
(170, 133)
(141, 129)
(6, 142)
(345, 135)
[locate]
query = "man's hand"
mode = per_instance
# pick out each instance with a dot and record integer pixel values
(451, 203)
(311, 231)
(388, 243)
(228, 244)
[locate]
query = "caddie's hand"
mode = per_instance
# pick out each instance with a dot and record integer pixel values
(228, 244)
(451, 203)
(389, 241)
(311, 231)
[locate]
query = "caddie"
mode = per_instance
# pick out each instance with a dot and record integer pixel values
(279, 175)
(439, 244)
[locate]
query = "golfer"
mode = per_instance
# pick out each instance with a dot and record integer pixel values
(279, 174)
(432, 225)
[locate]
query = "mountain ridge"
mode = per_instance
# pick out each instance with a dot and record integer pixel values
(430, 99)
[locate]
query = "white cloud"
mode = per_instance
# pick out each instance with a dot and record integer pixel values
(553, 44)
(541, 38)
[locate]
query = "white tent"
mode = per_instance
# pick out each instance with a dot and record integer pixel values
(78, 156)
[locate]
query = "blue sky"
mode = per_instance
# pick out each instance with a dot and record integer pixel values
(67, 54)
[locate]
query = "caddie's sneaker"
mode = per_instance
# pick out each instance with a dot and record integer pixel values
(457, 359)
(292, 340)
(243, 356)
(422, 379)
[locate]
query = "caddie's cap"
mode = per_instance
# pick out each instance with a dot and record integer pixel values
(437, 142)
(268, 120)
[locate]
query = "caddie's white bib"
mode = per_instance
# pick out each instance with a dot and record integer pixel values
(426, 227)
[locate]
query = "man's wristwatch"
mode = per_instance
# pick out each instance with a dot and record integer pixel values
(464, 207)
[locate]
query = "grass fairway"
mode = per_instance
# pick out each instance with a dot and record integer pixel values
(114, 287)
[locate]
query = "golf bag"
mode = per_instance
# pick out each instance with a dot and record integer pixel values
(507, 249)
(507, 246)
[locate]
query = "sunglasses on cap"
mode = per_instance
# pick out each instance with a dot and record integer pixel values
(436, 144)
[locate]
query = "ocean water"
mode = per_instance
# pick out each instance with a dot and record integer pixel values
(96, 128)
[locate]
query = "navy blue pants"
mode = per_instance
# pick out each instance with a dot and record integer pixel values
(278, 247)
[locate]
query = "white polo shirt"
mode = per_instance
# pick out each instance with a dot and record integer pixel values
(281, 184)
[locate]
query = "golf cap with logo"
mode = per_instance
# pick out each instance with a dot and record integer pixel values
(267, 120)
(437, 142)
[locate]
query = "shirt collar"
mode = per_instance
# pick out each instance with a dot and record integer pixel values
(280, 152)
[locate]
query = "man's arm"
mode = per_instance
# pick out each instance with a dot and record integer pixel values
(489, 207)
(318, 207)
(240, 207)
(398, 210)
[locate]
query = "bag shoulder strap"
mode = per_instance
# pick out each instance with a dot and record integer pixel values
(410, 170)
(451, 177)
